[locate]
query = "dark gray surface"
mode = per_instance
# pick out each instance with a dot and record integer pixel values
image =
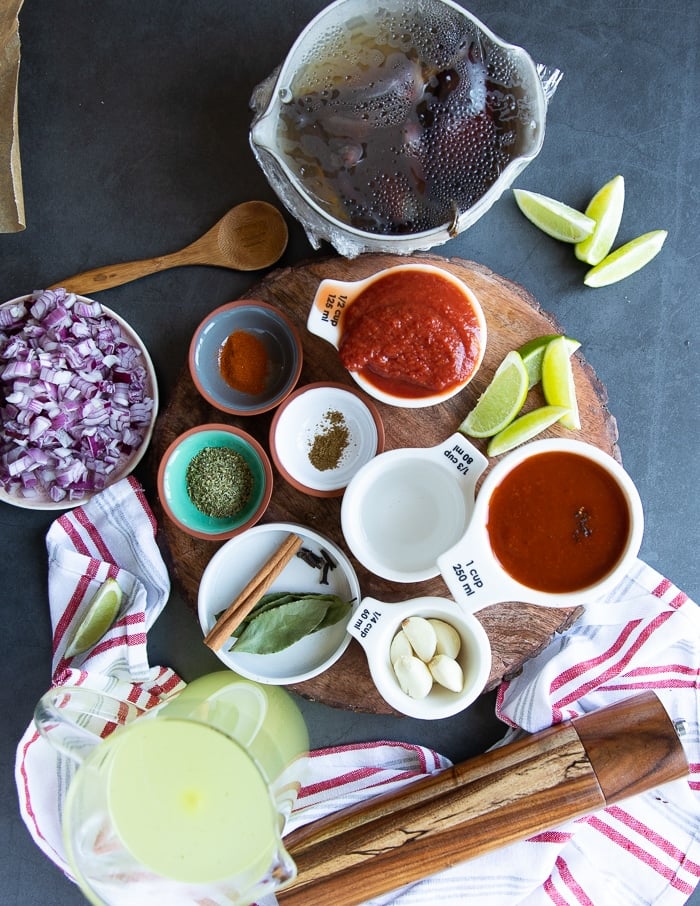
(133, 125)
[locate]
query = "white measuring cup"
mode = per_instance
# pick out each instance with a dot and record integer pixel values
(475, 576)
(405, 507)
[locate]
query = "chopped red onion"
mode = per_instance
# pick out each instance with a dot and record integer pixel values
(74, 401)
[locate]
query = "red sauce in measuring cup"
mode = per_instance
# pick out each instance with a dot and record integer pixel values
(411, 333)
(558, 522)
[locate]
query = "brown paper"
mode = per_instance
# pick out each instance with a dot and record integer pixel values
(11, 196)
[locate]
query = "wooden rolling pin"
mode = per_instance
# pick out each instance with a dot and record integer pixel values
(505, 795)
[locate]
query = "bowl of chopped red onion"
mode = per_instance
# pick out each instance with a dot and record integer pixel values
(78, 399)
(214, 481)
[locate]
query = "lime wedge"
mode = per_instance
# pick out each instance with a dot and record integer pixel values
(501, 401)
(627, 259)
(532, 352)
(553, 217)
(558, 381)
(525, 428)
(99, 616)
(606, 209)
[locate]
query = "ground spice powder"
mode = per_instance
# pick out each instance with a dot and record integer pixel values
(219, 482)
(330, 442)
(243, 362)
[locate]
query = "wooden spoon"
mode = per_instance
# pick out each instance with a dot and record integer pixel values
(251, 236)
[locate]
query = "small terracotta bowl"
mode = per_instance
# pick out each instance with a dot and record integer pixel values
(271, 332)
(172, 482)
(327, 416)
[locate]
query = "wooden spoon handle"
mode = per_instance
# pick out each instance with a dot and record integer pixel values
(99, 278)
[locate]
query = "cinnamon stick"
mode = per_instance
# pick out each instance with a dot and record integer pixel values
(239, 609)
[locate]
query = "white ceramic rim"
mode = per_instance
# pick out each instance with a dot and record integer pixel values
(41, 503)
(242, 664)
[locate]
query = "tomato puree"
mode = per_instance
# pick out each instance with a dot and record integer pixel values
(411, 333)
(558, 522)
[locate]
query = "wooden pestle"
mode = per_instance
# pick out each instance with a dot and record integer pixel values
(505, 795)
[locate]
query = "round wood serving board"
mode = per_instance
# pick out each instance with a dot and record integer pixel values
(516, 631)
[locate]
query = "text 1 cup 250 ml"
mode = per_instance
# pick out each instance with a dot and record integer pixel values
(556, 523)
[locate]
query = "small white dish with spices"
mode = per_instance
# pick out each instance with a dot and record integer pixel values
(322, 435)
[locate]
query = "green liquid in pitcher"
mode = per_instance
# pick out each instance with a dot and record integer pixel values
(189, 803)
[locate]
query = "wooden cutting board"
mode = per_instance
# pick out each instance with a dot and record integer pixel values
(516, 631)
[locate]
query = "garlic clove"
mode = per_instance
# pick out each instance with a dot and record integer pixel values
(413, 676)
(447, 672)
(422, 637)
(448, 639)
(400, 647)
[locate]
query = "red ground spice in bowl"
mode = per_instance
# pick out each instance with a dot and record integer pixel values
(245, 357)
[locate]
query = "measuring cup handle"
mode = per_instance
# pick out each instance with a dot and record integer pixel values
(472, 576)
(73, 719)
(327, 309)
(468, 462)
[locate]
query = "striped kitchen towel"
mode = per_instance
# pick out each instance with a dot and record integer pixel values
(113, 535)
(645, 635)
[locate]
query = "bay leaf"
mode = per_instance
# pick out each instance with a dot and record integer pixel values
(337, 611)
(276, 629)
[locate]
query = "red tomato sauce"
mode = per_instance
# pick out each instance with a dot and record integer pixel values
(558, 522)
(411, 334)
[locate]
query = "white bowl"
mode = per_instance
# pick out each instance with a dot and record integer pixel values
(305, 416)
(396, 343)
(375, 624)
(232, 567)
(128, 462)
(471, 569)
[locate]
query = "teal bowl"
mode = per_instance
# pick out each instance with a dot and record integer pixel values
(172, 482)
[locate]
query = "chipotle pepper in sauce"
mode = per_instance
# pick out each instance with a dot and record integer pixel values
(411, 333)
(558, 522)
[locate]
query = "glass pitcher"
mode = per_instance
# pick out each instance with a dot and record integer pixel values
(184, 804)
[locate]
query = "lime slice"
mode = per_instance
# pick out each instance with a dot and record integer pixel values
(558, 381)
(606, 209)
(99, 616)
(627, 259)
(532, 352)
(525, 428)
(553, 217)
(501, 401)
